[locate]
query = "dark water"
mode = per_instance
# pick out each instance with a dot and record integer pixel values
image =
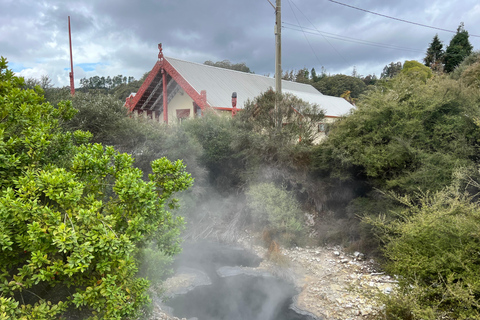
(233, 295)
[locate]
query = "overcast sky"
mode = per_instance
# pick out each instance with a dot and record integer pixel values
(112, 37)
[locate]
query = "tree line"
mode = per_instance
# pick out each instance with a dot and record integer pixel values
(97, 82)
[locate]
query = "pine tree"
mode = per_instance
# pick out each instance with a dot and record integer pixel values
(458, 49)
(434, 52)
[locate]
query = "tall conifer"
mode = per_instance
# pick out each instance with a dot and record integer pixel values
(458, 49)
(434, 52)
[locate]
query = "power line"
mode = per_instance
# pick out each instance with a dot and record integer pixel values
(317, 32)
(402, 20)
(321, 34)
(289, 2)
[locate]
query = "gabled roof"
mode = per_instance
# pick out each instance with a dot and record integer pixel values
(220, 83)
(210, 86)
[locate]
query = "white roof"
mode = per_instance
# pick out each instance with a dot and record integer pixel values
(220, 83)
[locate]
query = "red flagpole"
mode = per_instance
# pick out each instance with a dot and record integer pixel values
(72, 84)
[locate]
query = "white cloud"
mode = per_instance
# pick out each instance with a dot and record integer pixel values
(121, 37)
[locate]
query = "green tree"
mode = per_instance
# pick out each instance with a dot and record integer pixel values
(471, 76)
(434, 56)
(473, 58)
(288, 75)
(296, 117)
(338, 84)
(458, 49)
(391, 70)
(302, 76)
(226, 64)
(405, 135)
(314, 75)
(73, 215)
(370, 79)
(102, 115)
(416, 69)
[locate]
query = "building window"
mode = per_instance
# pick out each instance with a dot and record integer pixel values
(321, 127)
(182, 114)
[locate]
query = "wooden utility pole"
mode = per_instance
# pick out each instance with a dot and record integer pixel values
(278, 61)
(278, 47)
(72, 83)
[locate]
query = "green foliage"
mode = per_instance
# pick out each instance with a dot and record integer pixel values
(302, 75)
(370, 79)
(73, 215)
(275, 209)
(406, 135)
(473, 58)
(215, 134)
(155, 265)
(226, 64)
(471, 76)
(434, 54)
(416, 69)
(297, 118)
(433, 247)
(458, 49)
(259, 143)
(337, 84)
(391, 70)
(106, 119)
(97, 82)
(101, 115)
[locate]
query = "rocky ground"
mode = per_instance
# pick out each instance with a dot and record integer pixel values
(332, 283)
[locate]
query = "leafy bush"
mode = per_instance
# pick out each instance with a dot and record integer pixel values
(417, 70)
(337, 84)
(106, 119)
(74, 215)
(405, 135)
(471, 75)
(284, 117)
(101, 115)
(276, 209)
(215, 134)
(473, 58)
(433, 246)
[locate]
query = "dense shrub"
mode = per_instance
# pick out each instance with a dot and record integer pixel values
(74, 215)
(276, 209)
(405, 135)
(433, 247)
(214, 133)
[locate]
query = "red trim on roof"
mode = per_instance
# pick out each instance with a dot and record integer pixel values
(162, 64)
(197, 97)
(132, 103)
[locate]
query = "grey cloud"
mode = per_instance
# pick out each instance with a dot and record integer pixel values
(127, 32)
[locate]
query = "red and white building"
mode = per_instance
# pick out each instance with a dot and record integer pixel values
(176, 90)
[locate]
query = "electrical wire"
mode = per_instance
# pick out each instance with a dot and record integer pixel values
(304, 34)
(402, 20)
(317, 32)
(331, 45)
